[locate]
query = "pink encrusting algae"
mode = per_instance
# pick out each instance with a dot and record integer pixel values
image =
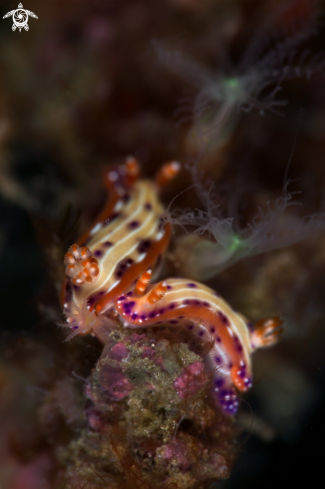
(190, 380)
(154, 394)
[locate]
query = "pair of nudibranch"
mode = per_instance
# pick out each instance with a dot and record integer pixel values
(108, 274)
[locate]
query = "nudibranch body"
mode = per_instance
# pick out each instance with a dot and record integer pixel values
(126, 239)
(108, 273)
(186, 304)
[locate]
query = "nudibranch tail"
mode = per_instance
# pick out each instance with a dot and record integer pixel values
(266, 332)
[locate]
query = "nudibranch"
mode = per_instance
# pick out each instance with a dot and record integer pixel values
(108, 273)
(186, 304)
(126, 238)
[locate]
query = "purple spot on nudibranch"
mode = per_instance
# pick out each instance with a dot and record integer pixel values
(173, 321)
(161, 311)
(171, 306)
(169, 287)
(205, 304)
(143, 316)
(129, 305)
(130, 294)
(107, 244)
(190, 326)
(133, 224)
(218, 340)
(186, 302)
(152, 314)
(98, 253)
(223, 318)
(75, 327)
(219, 383)
(191, 285)
(144, 245)
(180, 317)
(239, 348)
(125, 198)
(134, 315)
(218, 360)
(93, 298)
(121, 298)
(148, 206)
(76, 287)
(196, 303)
(212, 330)
(201, 333)
(122, 266)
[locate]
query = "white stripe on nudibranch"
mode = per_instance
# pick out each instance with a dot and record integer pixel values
(108, 258)
(96, 228)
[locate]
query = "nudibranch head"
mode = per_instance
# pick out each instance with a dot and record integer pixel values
(125, 239)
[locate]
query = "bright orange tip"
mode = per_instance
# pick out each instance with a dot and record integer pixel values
(267, 332)
(167, 173)
(132, 169)
(142, 283)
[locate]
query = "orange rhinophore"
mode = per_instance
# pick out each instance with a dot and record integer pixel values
(167, 173)
(142, 283)
(157, 293)
(132, 169)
